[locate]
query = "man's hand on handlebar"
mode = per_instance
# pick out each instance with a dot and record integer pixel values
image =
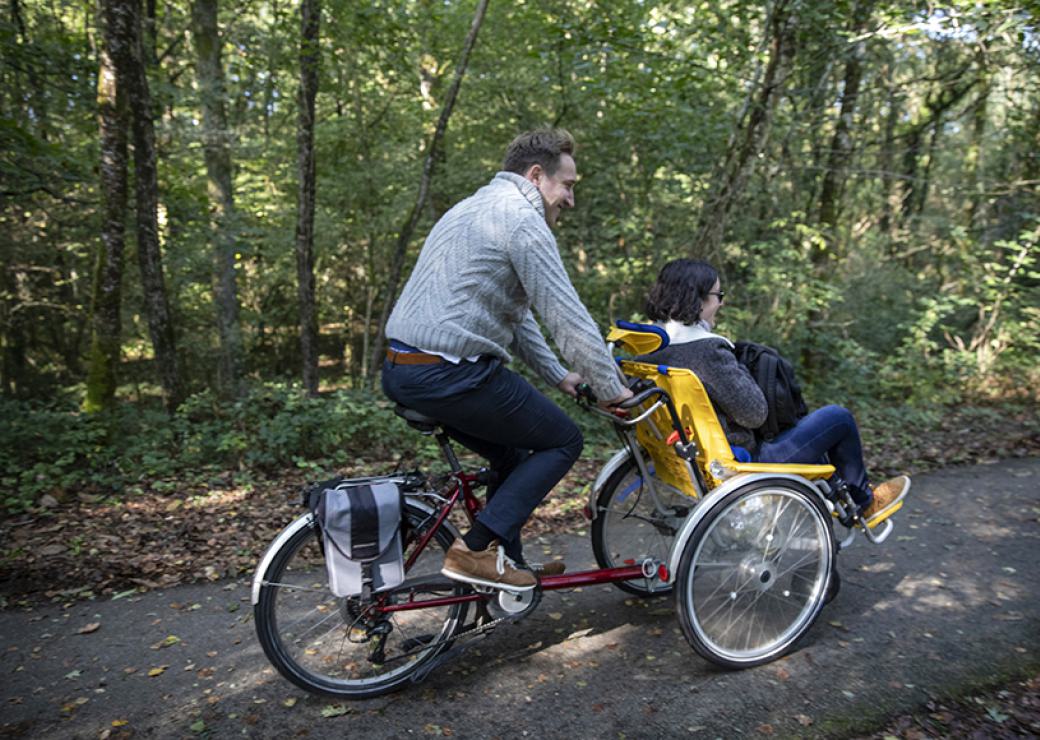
(584, 394)
(608, 405)
(570, 384)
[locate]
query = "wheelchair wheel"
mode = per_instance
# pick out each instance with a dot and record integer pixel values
(755, 574)
(631, 525)
(340, 646)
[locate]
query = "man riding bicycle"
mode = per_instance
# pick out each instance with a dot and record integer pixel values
(487, 264)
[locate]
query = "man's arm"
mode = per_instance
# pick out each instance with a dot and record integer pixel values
(538, 265)
(531, 347)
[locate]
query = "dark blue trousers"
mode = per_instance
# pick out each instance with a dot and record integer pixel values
(828, 434)
(528, 440)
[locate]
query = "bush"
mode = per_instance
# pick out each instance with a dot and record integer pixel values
(58, 450)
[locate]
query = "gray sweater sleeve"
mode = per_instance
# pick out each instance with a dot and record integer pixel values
(530, 345)
(537, 262)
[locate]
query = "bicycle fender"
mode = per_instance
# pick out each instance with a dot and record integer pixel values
(710, 501)
(304, 520)
(615, 462)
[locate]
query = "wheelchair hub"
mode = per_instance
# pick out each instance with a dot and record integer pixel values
(757, 574)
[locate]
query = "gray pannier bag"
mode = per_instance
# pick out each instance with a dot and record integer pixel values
(361, 530)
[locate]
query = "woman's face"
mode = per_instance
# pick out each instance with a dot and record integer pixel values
(711, 303)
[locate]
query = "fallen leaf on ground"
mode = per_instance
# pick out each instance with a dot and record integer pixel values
(88, 628)
(157, 671)
(335, 710)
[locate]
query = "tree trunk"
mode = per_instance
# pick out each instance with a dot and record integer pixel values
(37, 90)
(886, 162)
(952, 90)
(149, 254)
(732, 176)
(841, 142)
(310, 59)
(408, 228)
(222, 207)
(974, 159)
(105, 321)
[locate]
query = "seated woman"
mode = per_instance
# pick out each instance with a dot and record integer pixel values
(684, 302)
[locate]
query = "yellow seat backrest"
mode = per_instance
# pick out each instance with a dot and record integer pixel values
(697, 415)
(635, 341)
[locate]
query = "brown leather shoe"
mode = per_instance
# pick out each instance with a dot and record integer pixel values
(886, 497)
(488, 567)
(552, 568)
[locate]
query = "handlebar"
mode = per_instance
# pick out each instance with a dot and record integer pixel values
(640, 397)
(585, 394)
(643, 390)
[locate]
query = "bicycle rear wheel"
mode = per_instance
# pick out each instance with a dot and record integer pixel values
(754, 574)
(632, 524)
(337, 645)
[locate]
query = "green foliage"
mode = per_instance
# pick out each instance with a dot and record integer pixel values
(925, 289)
(58, 450)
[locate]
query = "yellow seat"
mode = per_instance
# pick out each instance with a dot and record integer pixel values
(714, 456)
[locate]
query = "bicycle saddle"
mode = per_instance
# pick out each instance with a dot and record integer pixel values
(422, 422)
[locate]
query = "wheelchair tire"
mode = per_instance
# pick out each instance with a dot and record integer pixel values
(627, 528)
(755, 573)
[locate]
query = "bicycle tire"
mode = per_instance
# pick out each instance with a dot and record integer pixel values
(294, 600)
(627, 529)
(755, 574)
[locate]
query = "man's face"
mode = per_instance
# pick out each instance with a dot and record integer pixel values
(557, 189)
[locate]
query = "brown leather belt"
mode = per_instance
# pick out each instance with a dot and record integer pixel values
(412, 358)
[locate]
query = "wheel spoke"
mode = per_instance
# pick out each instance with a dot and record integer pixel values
(750, 577)
(635, 521)
(307, 633)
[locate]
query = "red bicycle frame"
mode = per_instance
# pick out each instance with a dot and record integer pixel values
(464, 488)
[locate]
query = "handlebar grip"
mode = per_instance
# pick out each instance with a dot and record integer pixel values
(639, 398)
(585, 393)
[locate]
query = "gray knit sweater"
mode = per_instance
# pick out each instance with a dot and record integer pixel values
(486, 264)
(739, 402)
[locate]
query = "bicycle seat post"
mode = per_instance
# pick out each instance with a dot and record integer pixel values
(446, 449)
(428, 426)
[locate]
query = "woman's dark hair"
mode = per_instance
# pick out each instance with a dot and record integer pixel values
(681, 286)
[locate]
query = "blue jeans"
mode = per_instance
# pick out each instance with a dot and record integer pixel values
(528, 440)
(829, 435)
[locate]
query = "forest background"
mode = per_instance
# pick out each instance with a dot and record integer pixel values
(206, 210)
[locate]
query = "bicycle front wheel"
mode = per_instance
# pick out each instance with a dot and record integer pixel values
(754, 574)
(633, 523)
(339, 646)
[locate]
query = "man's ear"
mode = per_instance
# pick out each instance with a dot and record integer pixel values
(534, 173)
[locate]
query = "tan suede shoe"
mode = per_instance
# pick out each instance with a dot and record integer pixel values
(887, 497)
(488, 567)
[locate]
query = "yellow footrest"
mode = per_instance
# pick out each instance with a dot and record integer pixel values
(887, 514)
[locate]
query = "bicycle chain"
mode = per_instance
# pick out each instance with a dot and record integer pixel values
(469, 634)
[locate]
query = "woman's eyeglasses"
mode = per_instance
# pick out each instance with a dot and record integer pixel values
(720, 293)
